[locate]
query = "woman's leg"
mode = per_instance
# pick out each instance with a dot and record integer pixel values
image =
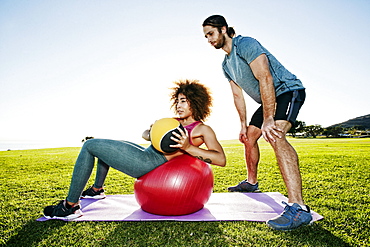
(101, 173)
(126, 157)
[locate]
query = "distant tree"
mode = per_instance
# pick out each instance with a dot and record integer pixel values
(300, 126)
(297, 128)
(352, 130)
(326, 132)
(356, 129)
(359, 127)
(314, 130)
(333, 131)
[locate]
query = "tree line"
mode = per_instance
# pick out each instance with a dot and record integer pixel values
(301, 129)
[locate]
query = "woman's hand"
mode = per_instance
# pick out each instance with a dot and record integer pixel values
(182, 139)
(146, 133)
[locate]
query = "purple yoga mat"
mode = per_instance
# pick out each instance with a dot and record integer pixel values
(220, 207)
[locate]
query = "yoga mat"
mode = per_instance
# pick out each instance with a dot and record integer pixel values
(220, 207)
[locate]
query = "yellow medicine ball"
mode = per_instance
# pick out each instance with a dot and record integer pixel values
(161, 132)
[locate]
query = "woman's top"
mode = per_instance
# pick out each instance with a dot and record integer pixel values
(190, 128)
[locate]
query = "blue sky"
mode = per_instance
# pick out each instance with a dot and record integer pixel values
(70, 69)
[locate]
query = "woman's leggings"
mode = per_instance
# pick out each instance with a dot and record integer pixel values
(127, 157)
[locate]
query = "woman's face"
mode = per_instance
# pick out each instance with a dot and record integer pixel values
(183, 106)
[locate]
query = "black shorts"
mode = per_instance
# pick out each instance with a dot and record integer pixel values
(287, 108)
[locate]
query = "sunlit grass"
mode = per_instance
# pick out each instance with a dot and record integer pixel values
(335, 172)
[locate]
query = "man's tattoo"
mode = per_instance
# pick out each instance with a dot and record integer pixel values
(208, 160)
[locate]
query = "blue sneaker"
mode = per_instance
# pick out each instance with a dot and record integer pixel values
(292, 217)
(245, 186)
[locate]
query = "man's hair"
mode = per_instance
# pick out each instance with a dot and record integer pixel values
(198, 96)
(219, 21)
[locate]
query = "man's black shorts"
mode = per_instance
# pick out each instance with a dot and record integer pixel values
(287, 108)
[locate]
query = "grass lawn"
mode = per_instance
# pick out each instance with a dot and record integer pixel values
(335, 172)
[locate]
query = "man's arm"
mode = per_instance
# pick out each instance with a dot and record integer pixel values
(241, 108)
(260, 69)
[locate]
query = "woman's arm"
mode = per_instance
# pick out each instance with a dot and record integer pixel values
(214, 154)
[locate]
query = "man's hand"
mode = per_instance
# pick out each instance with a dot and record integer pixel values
(270, 131)
(243, 135)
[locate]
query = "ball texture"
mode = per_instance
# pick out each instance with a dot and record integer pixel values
(161, 132)
(178, 187)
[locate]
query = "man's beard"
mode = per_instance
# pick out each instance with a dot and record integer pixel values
(220, 42)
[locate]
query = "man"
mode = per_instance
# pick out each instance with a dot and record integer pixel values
(250, 67)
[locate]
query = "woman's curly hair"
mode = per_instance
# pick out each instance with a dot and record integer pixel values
(198, 96)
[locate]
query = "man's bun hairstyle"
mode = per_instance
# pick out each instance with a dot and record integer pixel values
(219, 21)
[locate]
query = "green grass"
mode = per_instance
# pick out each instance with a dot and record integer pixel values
(335, 172)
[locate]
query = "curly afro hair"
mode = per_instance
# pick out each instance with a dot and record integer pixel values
(198, 96)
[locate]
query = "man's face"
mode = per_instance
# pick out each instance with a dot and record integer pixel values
(214, 37)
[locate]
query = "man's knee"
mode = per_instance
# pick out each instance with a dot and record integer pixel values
(282, 141)
(253, 133)
(284, 125)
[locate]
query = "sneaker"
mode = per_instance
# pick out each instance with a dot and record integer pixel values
(245, 186)
(60, 212)
(91, 193)
(292, 217)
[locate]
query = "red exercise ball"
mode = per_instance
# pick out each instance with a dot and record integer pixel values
(178, 187)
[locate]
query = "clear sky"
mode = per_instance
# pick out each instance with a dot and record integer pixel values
(70, 69)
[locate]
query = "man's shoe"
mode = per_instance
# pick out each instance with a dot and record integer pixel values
(292, 217)
(245, 186)
(60, 212)
(90, 193)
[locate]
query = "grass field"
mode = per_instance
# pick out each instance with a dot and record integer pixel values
(335, 172)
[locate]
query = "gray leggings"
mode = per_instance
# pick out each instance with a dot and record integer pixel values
(129, 158)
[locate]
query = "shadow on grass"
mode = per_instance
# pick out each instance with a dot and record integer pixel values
(113, 233)
(168, 233)
(313, 235)
(33, 232)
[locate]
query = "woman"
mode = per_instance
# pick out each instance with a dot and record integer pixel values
(192, 102)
